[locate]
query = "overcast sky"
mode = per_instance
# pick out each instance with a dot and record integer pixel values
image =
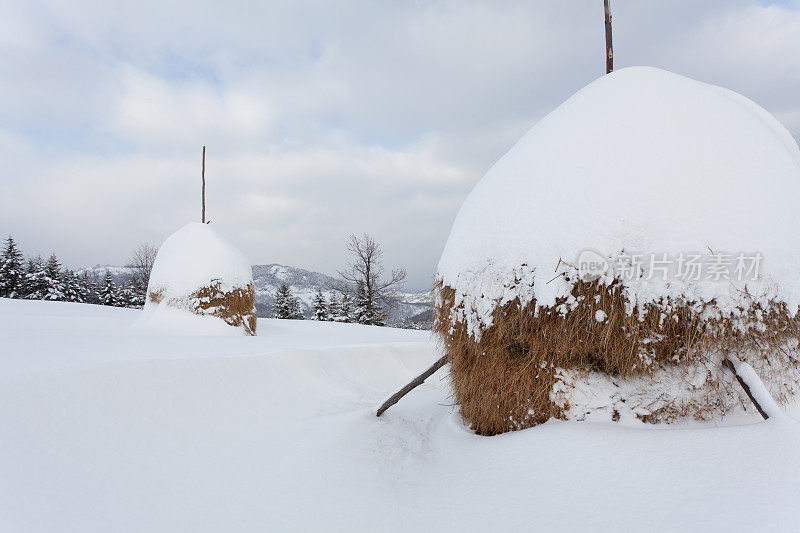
(321, 119)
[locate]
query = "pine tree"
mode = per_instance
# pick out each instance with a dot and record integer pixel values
(124, 297)
(12, 274)
(286, 305)
(87, 286)
(295, 311)
(108, 294)
(347, 312)
(130, 297)
(334, 309)
(136, 295)
(319, 306)
(367, 310)
(138, 287)
(35, 285)
(72, 287)
(282, 308)
(54, 286)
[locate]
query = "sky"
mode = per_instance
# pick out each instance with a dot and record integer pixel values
(321, 119)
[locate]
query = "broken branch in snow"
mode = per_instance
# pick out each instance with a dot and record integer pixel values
(417, 381)
(730, 366)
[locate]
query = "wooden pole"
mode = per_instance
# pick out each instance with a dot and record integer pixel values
(730, 366)
(609, 47)
(204, 184)
(417, 381)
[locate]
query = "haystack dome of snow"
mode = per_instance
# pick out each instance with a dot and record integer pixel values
(640, 159)
(193, 257)
(200, 284)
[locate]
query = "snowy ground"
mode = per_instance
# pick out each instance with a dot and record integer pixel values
(104, 428)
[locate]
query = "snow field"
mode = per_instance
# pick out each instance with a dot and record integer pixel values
(107, 428)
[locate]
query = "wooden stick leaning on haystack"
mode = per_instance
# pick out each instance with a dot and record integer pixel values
(417, 381)
(752, 378)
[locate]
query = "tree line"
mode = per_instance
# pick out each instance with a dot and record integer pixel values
(365, 295)
(37, 279)
(340, 307)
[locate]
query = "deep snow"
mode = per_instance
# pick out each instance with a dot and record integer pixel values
(105, 428)
(640, 161)
(192, 257)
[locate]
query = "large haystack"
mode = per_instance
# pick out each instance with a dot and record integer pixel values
(199, 272)
(608, 262)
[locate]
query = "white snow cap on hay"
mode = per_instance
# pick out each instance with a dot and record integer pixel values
(639, 161)
(192, 258)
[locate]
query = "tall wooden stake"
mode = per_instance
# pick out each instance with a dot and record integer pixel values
(609, 48)
(204, 184)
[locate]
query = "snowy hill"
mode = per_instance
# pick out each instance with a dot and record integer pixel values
(105, 428)
(304, 285)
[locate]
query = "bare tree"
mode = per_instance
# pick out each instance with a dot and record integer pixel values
(373, 293)
(142, 264)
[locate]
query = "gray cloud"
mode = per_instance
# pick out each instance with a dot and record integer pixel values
(321, 119)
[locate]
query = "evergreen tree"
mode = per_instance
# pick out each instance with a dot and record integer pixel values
(35, 285)
(347, 312)
(136, 295)
(282, 308)
(108, 293)
(334, 309)
(286, 305)
(319, 306)
(124, 297)
(87, 286)
(12, 273)
(295, 311)
(54, 285)
(72, 287)
(138, 287)
(130, 297)
(367, 310)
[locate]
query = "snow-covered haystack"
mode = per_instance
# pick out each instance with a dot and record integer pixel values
(604, 266)
(198, 271)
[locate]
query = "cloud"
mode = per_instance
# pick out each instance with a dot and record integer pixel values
(321, 119)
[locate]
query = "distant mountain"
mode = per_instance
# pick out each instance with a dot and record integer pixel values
(120, 275)
(304, 284)
(411, 307)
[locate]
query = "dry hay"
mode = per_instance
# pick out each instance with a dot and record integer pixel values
(511, 377)
(236, 307)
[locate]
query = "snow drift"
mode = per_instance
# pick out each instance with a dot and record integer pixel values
(644, 172)
(199, 272)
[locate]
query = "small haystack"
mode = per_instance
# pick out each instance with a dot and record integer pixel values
(604, 267)
(198, 271)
